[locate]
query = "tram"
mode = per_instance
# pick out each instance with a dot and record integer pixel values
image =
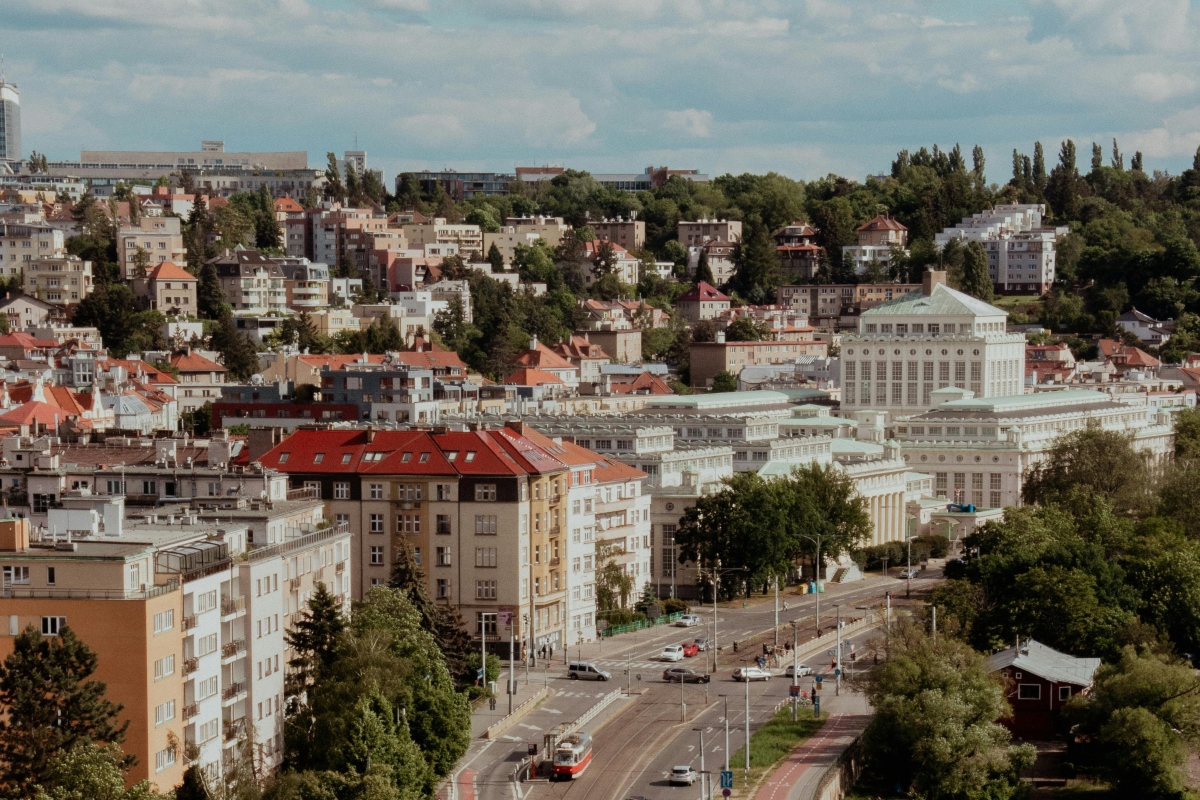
(572, 756)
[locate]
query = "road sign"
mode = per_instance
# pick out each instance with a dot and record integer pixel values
(794, 691)
(725, 792)
(818, 679)
(505, 617)
(837, 672)
(533, 748)
(726, 780)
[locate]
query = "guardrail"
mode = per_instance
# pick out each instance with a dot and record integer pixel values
(841, 774)
(592, 712)
(508, 720)
(641, 624)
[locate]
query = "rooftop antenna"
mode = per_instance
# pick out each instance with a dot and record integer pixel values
(356, 140)
(1, 67)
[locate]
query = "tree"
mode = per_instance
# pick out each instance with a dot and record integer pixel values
(239, 355)
(605, 260)
(210, 297)
(1039, 167)
(724, 381)
(314, 638)
(90, 772)
(934, 732)
(703, 270)
(110, 309)
(1091, 461)
(1187, 434)
(52, 705)
(1097, 157)
(756, 262)
(976, 280)
(747, 329)
(613, 583)
(1133, 729)
(334, 190)
(495, 258)
(1118, 160)
(443, 622)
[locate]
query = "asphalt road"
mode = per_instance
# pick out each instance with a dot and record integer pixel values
(637, 745)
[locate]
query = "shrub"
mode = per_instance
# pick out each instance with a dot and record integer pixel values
(674, 605)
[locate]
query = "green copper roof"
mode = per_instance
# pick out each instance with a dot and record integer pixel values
(944, 302)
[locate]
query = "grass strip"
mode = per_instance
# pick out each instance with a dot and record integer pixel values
(770, 745)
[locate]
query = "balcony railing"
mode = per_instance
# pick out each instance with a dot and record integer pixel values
(190, 622)
(232, 605)
(304, 493)
(191, 711)
(233, 690)
(233, 648)
(554, 561)
(190, 665)
(293, 584)
(555, 530)
(340, 567)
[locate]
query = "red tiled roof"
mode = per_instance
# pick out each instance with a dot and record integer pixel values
(611, 471)
(644, 383)
(22, 339)
(579, 348)
(170, 272)
(542, 357)
(133, 366)
(288, 205)
(881, 223)
(194, 362)
(531, 377)
(702, 291)
(35, 413)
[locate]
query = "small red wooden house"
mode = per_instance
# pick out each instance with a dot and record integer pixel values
(1041, 681)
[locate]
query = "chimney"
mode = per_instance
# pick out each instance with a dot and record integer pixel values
(515, 426)
(931, 278)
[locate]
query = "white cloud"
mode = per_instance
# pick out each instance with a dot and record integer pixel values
(403, 5)
(1159, 86)
(553, 119)
(963, 84)
(1179, 135)
(1155, 25)
(691, 121)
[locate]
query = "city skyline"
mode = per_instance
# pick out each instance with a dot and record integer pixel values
(801, 89)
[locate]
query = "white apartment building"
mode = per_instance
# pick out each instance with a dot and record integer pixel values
(581, 546)
(63, 280)
(623, 520)
(469, 238)
(23, 243)
(697, 232)
(980, 450)
(909, 348)
(876, 238)
(1020, 250)
(160, 238)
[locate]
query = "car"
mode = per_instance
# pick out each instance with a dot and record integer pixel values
(798, 672)
(682, 775)
(687, 621)
(751, 674)
(672, 652)
(690, 649)
(701, 643)
(909, 572)
(685, 675)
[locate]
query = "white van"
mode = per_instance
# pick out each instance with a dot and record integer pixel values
(586, 670)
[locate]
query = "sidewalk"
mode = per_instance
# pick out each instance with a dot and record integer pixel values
(797, 777)
(483, 717)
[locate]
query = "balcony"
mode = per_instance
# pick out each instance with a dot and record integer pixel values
(293, 584)
(230, 649)
(190, 622)
(554, 531)
(555, 561)
(233, 690)
(555, 499)
(232, 605)
(340, 567)
(190, 665)
(231, 729)
(191, 711)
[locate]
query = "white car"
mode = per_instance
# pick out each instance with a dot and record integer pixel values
(672, 652)
(801, 671)
(687, 621)
(751, 674)
(683, 775)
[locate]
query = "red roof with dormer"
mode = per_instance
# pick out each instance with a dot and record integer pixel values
(881, 222)
(702, 291)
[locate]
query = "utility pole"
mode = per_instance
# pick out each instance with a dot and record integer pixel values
(682, 704)
(777, 611)
(795, 671)
(716, 575)
(908, 572)
(747, 767)
(703, 774)
(838, 690)
(512, 663)
(889, 611)
(935, 623)
(726, 731)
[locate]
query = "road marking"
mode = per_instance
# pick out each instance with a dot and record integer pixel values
(530, 727)
(552, 711)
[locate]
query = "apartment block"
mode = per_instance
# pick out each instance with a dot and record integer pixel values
(63, 281)
(469, 238)
(876, 238)
(159, 238)
(23, 243)
(835, 306)
(629, 233)
(253, 283)
(1019, 247)
(168, 288)
(710, 358)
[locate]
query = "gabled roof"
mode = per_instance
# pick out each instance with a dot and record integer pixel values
(532, 377)
(881, 223)
(644, 383)
(702, 291)
(170, 272)
(611, 471)
(288, 205)
(194, 362)
(1133, 315)
(1045, 662)
(541, 357)
(1124, 355)
(943, 302)
(24, 340)
(35, 412)
(578, 348)
(133, 366)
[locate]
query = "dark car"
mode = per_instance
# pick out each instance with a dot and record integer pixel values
(684, 675)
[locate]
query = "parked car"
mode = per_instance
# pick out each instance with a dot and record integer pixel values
(909, 572)
(674, 674)
(682, 775)
(672, 652)
(798, 672)
(751, 674)
(687, 621)
(689, 649)
(702, 642)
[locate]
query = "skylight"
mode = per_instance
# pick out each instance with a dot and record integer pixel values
(470, 455)
(283, 457)
(318, 458)
(346, 458)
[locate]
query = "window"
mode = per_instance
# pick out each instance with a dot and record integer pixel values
(443, 523)
(443, 556)
(485, 525)
(485, 492)
(417, 555)
(1029, 691)
(1064, 693)
(164, 758)
(408, 523)
(377, 556)
(346, 458)
(485, 590)
(16, 576)
(52, 626)
(206, 645)
(206, 688)
(443, 492)
(164, 667)
(376, 523)
(485, 556)
(164, 713)
(150, 487)
(208, 730)
(164, 621)
(283, 459)
(318, 458)
(341, 491)
(49, 576)
(376, 491)
(443, 589)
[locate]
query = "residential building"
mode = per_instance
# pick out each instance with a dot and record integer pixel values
(24, 311)
(211, 154)
(200, 379)
(1039, 682)
(629, 233)
(621, 315)
(469, 238)
(697, 232)
(63, 281)
(445, 291)
(154, 239)
(719, 254)
(908, 348)
(541, 358)
(624, 345)
(710, 358)
(703, 301)
(10, 122)
(168, 288)
(306, 284)
(586, 356)
(23, 243)
(836, 306)
(799, 254)
(1020, 249)
(303, 368)
(649, 178)
(627, 268)
(459, 185)
(876, 238)
(1146, 328)
(253, 283)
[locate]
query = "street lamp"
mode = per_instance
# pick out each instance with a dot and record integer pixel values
(726, 698)
(716, 581)
(908, 572)
(838, 673)
(817, 570)
(703, 773)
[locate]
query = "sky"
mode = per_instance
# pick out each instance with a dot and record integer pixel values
(803, 88)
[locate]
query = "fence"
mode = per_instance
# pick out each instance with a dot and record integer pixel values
(841, 774)
(641, 624)
(506, 722)
(592, 712)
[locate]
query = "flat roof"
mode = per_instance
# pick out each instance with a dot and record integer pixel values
(713, 400)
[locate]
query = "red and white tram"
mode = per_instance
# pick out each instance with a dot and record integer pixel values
(572, 756)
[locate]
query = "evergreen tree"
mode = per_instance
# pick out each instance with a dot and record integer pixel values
(1135, 163)
(1097, 157)
(495, 258)
(1196, 159)
(238, 352)
(51, 706)
(1118, 160)
(703, 271)
(1039, 167)
(976, 281)
(444, 622)
(977, 164)
(605, 260)
(314, 637)
(756, 262)
(210, 297)
(333, 180)
(192, 787)
(1018, 178)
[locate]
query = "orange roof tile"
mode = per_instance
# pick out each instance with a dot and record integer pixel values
(171, 272)
(531, 377)
(194, 362)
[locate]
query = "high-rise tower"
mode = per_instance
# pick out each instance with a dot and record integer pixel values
(10, 120)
